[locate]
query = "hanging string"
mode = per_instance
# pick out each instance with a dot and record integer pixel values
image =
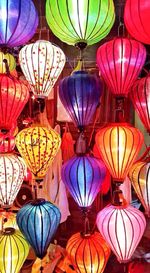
(41, 267)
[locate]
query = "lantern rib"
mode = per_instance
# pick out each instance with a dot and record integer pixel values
(6, 189)
(93, 29)
(10, 187)
(109, 75)
(77, 176)
(116, 233)
(78, 19)
(91, 184)
(16, 25)
(76, 254)
(147, 184)
(146, 95)
(125, 233)
(144, 30)
(17, 248)
(111, 153)
(50, 224)
(77, 116)
(42, 230)
(6, 29)
(124, 164)
(18, 237)
(27, 225)
(99, 261)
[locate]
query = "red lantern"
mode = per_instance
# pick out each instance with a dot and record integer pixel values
(136, 267)
(120, 61)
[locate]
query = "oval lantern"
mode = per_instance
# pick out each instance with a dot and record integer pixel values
(10, 62)
(83, 176)
(120, 62)
(80, 94)
(13, 97)
(119, 144)
(136, 16)
(80, 22)
(88, 253)
(41, 63)
(38, 146)
(140, 96)
(14, 250)
(122, 227)
(7, 144)
(38, 221)
(12, 171)
(18, 23)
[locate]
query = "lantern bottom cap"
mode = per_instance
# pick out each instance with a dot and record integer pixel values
(124, 261)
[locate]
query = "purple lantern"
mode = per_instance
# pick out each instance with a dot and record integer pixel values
(80, 94)
(83, 176)
(18, 22)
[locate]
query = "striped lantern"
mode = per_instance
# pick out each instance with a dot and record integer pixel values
(10, 62)
(120, 62)
(41, 63)
(119, 144)
(88, 253)
(38, 221)
(122, 227)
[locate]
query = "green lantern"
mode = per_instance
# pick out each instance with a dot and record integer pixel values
(80, 23)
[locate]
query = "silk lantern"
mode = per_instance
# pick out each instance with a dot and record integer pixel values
(10, 62)
(140, 96)
(120, 62)
(41, 63)
(80, 94)
(83, 176)
(122, 227)
(14, 250)
(12, 171)
(119, 144)
(88, 253)
(38, 146)
(80, 22)
(13, 97)
(136, 18)
(38, 221)
(18, 22)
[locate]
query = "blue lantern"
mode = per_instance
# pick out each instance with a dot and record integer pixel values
(80, 94)
(18, 22)
(83, 176)
(38, 221)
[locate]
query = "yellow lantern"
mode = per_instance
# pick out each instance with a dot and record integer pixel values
(38, 146)
(10, 61)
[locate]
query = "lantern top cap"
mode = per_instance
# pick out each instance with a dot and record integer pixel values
(8, 231)
(38, 201)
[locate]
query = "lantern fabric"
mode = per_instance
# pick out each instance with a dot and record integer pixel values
(8, 219)
(7, 144)
(122, 227)
(140, 96)
(14, 250)
(137, 267)
(12, 171)
(38, 221)
(136, 18)
(80, 21)
(120, 62)
(13, 97)
(80, 94)
(38, 146)
(41, 62)
(119, 144)
(83, 176)
(88, 253)
(18, 22)
(10, 62)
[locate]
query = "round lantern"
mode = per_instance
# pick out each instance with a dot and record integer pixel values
(83, 176)
(12, 171)
(136, 18)
(10, 62)
(13, 97)
(120, 62)
(38, 221)
(137, 267)
(88, 253)
(80, 94)
(38, 146)
(80, 22)
(119, 144)
(18, 22)
(140, 96)
(14, 250)
(122, 227)
(7, 144)
(139, 175)
(41, 63)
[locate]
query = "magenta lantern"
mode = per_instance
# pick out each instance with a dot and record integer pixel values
(120, 61)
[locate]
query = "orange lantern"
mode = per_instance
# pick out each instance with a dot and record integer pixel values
(119, 144)
(88, 253)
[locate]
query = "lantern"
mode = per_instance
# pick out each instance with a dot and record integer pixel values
(88, 253)
(13, 97)
(41, 63)
(38, 146)
(10, 62)
(14, 250)
(83, 176)
(80, 94)
(122, 227)
(136, 18)
(38, 221)
(137, 267)
(7, 144)
(8, 219)
(119, 144)
(120, 61)
(139, 175)
(12, 171)
(18, 22)
(140, 96)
